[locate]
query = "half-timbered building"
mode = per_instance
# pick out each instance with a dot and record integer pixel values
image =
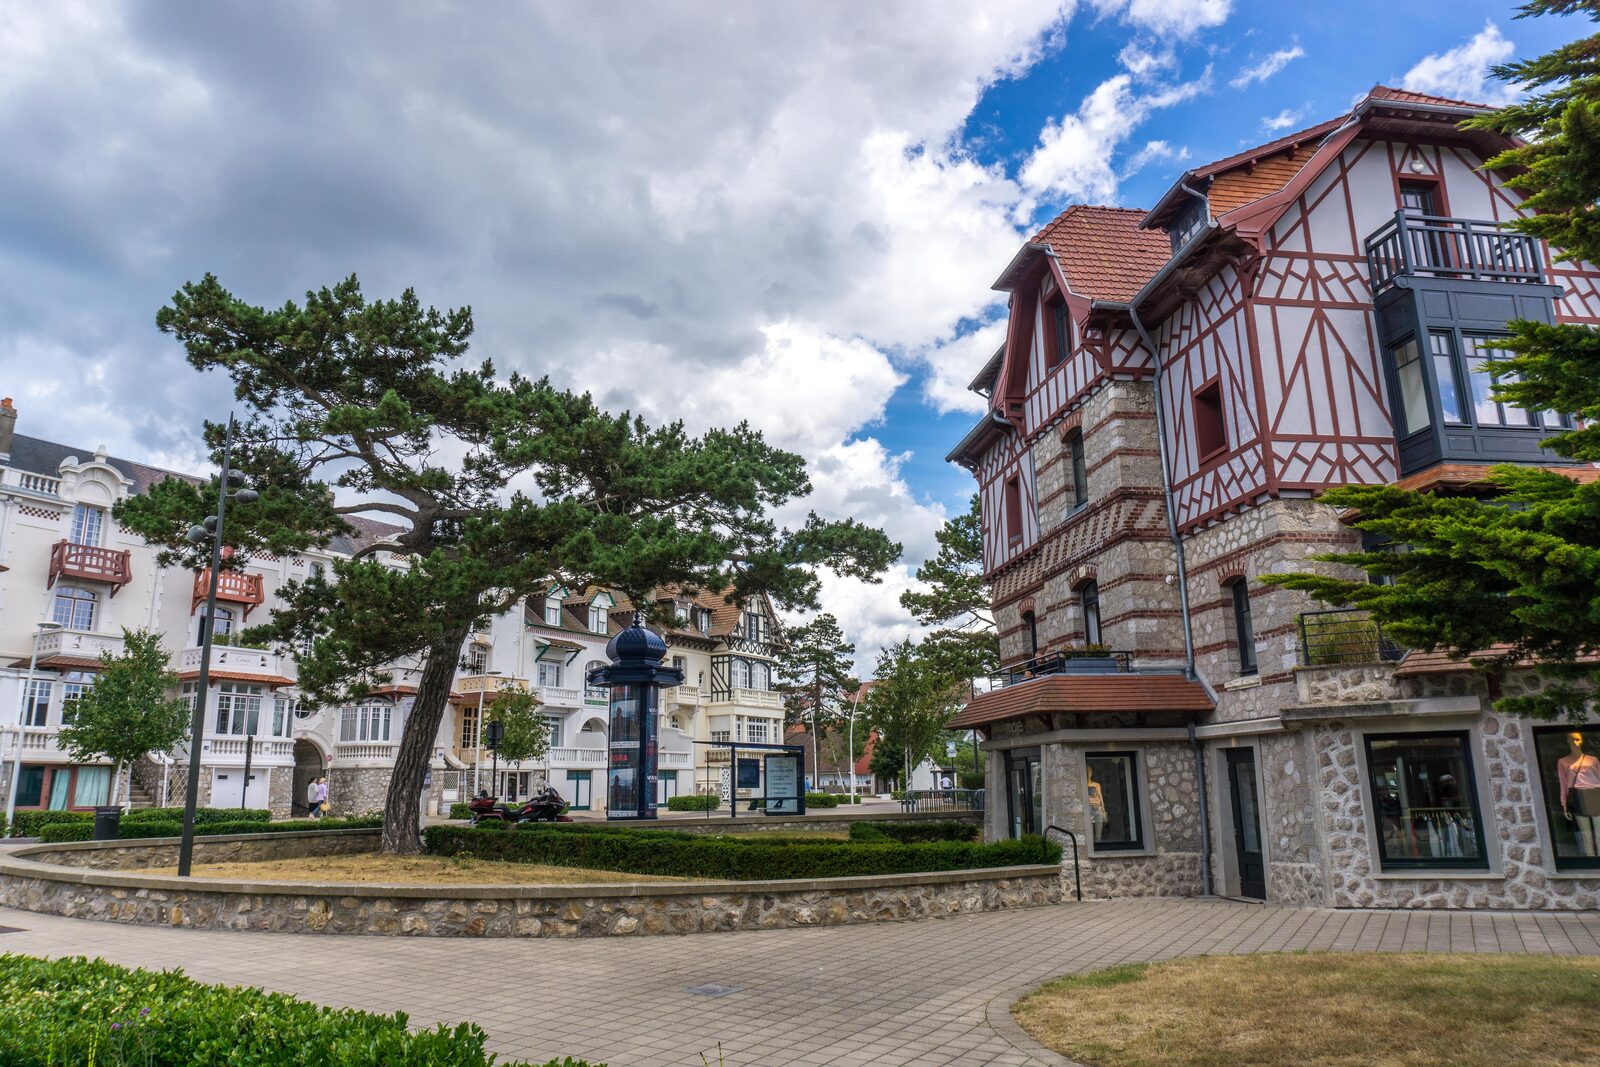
(1175, 388)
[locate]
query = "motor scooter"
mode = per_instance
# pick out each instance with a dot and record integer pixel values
(544, 806)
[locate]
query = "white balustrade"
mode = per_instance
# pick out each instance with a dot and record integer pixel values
(234, 748)
(85, 644)
(347, 752)
(570, 756)
(681, 694)
(42, 484)
(229, 658)
(675, 759)
(36, 741)
(752, 698)
(560, 696)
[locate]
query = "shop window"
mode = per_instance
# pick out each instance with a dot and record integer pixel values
(1425, 803)
(1080, 469)
(1244, 633)
(1569, 774)
(1111, 782)
(1089, 597)
(1210, 434)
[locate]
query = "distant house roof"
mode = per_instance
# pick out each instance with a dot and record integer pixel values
(1085, 694)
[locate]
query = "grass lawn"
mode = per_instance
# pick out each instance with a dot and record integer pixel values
(1325, 1009)
(422, 870)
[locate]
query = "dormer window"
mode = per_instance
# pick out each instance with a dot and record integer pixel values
(680, 612)
(552, 611)
(1188, 223)
(1057, 331)
(702, 620)
(597, 619)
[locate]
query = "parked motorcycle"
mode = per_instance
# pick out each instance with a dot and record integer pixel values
(544, 806)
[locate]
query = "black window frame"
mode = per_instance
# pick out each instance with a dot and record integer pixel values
(1244, 631)
(1089, 600)
(1080, 469)
(1135, 799)
(1550, 790)
(1469, 793)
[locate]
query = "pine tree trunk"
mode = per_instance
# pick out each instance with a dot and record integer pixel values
(402, 816)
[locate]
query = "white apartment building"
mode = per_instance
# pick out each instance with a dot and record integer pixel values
(66, 564)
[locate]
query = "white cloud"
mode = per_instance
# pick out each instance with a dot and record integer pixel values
(1283, 120)
(1269, 66)
(1170, 18)
(1150, 153)
(1462, 73)
(1141, 61)
(1074, 160)
(955, 362)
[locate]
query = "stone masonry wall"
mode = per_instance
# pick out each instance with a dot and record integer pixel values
(1295, 872)
(357, 790)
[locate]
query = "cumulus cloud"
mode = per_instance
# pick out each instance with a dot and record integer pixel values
(1283, 120)
(1266, 68)
(955, 362)
(663, 209)
(1142, 60)
(1462, 73)
(1075, 157)
(1171, 18)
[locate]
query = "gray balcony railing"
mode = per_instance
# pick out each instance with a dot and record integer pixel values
(1450, 248)
(1064, 661)
(1344, 636)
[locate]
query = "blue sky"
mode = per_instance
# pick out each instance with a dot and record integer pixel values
(705, 210)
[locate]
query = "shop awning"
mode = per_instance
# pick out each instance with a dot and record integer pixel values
(1085, 694)
(274, 680)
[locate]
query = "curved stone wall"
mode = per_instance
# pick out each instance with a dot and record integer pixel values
(100, 880)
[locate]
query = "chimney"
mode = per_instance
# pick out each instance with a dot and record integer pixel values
(8, 426)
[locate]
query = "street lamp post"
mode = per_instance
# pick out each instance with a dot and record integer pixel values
(22, 706)
(230, 486)
(855, 703)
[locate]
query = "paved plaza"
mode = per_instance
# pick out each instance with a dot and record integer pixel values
(929, 992)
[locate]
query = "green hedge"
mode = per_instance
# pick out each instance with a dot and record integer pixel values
(944, 830)
(71, 1011)
(29, 823)
(748, 859)
(140, 828)
(459, 810)
(821, 800)
(694, 802)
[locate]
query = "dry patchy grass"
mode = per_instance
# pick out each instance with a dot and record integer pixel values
(1325, 1010)
(419, 870)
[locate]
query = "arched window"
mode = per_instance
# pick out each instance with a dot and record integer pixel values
(1080, 469)
(1089, 597)
(760, 676)
(1243, 630)
(74, 607)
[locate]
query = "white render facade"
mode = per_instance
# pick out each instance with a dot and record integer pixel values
(63, 560)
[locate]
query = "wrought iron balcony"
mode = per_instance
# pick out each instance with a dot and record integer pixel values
(1343, 636)
(236, 587)
(1064, 661)
(91, 563)
(1462, 249)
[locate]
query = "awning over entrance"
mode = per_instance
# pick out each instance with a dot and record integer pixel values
(1084, 694)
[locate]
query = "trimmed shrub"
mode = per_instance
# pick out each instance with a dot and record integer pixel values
(29, 823)
(746, 857)
(141, 828)
(77, 1010)
(945, 830)
(821, 800)
(694, 802)
(459, 810)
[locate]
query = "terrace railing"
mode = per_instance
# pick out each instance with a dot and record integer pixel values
(1450, 248)
(942, 800)
(1342, 636)
(1064, 661)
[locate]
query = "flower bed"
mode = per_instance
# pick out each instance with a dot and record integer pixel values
(76, 1010)
(744, 857)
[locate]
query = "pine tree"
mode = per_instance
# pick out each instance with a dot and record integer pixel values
(814, 670)
(498, 488)
(957, 600)
(1518, 571)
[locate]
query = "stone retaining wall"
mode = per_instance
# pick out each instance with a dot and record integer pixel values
(69, 880)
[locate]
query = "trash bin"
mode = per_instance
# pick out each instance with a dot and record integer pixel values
(106, 821)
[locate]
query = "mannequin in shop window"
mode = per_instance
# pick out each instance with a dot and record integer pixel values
(1579, 775)
(1097, 807)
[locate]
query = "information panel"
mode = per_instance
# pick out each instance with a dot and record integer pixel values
(783, 785)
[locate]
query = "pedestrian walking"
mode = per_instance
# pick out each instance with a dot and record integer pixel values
(322, 797)
(313, 798)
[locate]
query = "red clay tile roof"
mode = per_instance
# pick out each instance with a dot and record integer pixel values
(64, 663)
(273, 680)
(1084, 694)
(1416, 663)
(1102, 251)
(1260, 151)
(1476, 475)
(1406, 96)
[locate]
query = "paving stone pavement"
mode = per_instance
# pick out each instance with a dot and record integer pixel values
(928, 992)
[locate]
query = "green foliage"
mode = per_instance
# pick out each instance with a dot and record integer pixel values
(459, 810)
(814, 670)
(694, 802)
(739, 857)
(72, 1011)
(525, 733)
(29, 823)
(375, 402)
(944, 830)
(173, 827)
(128, 711)
(969, 772)
(956, 601)
(821, 800)
(915, 696)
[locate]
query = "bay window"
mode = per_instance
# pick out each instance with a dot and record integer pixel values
(370, 721)
(238, 708)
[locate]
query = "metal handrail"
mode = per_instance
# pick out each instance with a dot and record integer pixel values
(1344, 635)
(1445, 247)
(1064, 661)
(1077, 877)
